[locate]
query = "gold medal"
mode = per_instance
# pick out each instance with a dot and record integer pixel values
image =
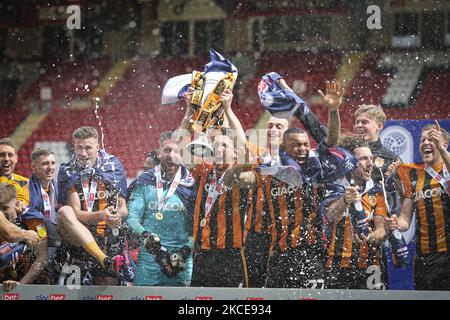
(203, 222)
(372, 201)
(379, 162)
(159, 215)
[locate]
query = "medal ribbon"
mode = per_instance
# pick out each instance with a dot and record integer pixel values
(214, 190)
(443, 180)
(159, 186)
(89, 193)
(49, 203)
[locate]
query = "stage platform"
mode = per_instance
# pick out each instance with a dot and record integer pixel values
(45, 292)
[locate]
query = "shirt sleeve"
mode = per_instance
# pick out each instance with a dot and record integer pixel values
(381, 209)
(311, 123)
(25, 195)
(403, 173)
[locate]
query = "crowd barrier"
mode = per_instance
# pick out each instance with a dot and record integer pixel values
(46, 292)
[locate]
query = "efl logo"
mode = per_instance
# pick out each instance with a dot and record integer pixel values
(57, 297)
(105, 297)
(10, 296)
(153, 298)
(203, 298)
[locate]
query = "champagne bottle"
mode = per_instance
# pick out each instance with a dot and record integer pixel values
(358, 216)
(399, 249)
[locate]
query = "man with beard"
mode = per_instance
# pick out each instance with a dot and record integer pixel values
(351, 253)
(427, 192)
(8, 161)
(159, 206)
(218, 221)
(92, 190)
(218, 216)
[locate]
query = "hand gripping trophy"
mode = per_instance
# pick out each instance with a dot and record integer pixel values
(218, 75)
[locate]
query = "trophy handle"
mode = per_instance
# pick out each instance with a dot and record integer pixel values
(210, 113)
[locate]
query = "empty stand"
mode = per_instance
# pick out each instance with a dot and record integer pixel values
(11, 118)
(69, 80)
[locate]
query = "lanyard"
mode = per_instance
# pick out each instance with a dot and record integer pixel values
(443, 180)
(49, 202)
(159, 186)
(214, 190)
(89, 193)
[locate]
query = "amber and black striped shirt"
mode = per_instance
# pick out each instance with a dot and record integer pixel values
(289, 213)
(432, 206)
(224, 229)
(103, 198)
(345, 253)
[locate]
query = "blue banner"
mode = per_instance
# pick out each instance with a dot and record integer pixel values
(403, 138)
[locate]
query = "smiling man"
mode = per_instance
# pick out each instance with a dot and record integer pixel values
(219, 220)
(289, 147)
(427, 193)
(369, 123)
(275, 129)
(159, 204)
(92, 190)
(42, 185)
(41, 216)
(349, 254)
(8, 161)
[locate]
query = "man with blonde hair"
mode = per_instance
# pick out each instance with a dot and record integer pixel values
(92, 190)
(369, 123)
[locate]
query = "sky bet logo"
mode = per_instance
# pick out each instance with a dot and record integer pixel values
(147, 298)
(52, 296)
(10, 296)
(105, 297)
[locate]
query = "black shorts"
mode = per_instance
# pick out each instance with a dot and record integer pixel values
(301, 267)
(256, 255)
(218, 268)
(432, 271)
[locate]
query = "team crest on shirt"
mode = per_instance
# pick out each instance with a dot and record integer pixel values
(41, 231)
